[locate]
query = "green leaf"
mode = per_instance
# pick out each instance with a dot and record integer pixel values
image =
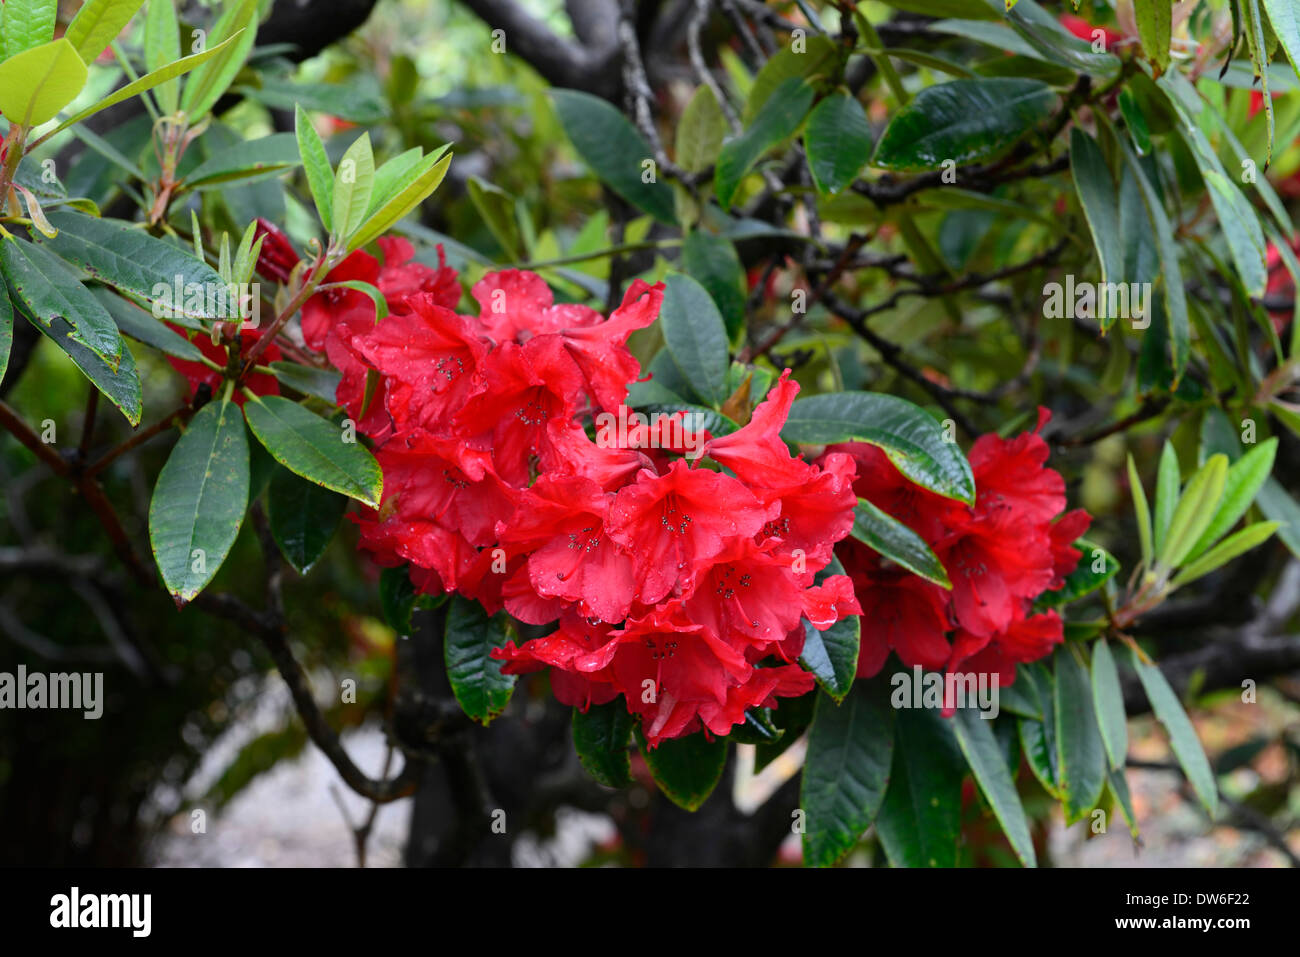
(28, 23)
(600, 736)
(832, 655)
(1081, 754)
(309, 446)
(1108, 701)
(97, 24)
(127, 258)
(1231, 547)
(1168, 483)
(397, 598)
(608, 143)
(320, 175)
(246, 161)
(55, 298)
(696, 337)
(146, 82)
(37, 83)
(895, 541)
(1021, 698)
(1237, 217)
(818, 54)
(712, 261)
(964, 121)
(303, 518)
(1260, 58)
(1085, 579)
(162, 46)
(1155, 28)
(476, 679)
(777, 121)
(6, 327)
(686, 769)
(1117, 784)
(920, 821)
(1142, 511)
(1195, 511)
(353, 182)
(200, 499)
(700, 131)
(911, 438)
(1170, 276)
(838, 141)
(1135, 120)
(1245, 478)
(1182, 736)
(141, 326)
(984, 755)
(497, 209)
(1285, 19)
(1038, 745)
(846, 771)
(408, 192)
(202, 90)
(320, 383)
(1099, 199)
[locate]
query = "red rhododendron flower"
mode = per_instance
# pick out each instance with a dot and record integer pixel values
(1000, 555)
(681, 588)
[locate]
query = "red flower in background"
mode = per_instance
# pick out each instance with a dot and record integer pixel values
(260, 383)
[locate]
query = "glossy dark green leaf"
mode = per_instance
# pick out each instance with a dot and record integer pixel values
(1021, 698)
(985, 758)
(476, 678)
(1182, 735)
(314, 448)
(1169, 281)
(601, 736)
(920, 821)
(964, 121)
(1099, 198)
(712, 262)
(686, 769)
(696, 337)
(846, 771)
(1081, 755)
(57, 300)
(614, 149)
(127, 258)
(776, 122)
(1086, 577)
(832, 655)
(837, 141)
(199, 502)
(895, 541)
(304, 517)
(912, 439)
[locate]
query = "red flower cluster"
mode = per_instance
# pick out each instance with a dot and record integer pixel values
(678, 585)
(1000, 555)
